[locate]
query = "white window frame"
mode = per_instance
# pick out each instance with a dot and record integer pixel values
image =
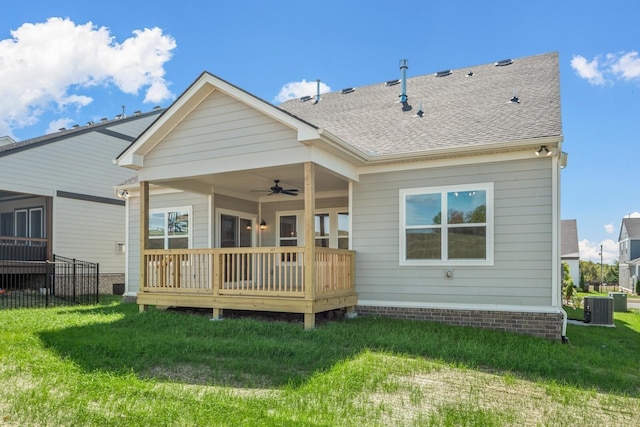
(28, 222)
(333, 224)
(488, 187)
(239, 215)
(165, 211)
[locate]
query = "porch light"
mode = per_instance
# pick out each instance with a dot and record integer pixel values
(123, 194)
(263, 225)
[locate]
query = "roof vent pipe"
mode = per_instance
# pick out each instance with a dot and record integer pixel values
(404, 64)
(317, 91)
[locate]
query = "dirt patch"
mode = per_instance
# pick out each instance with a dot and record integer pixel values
(512, 401)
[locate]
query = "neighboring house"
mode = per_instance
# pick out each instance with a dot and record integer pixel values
(433, 197)
(629, 257)
(57, 196)
(570, 249)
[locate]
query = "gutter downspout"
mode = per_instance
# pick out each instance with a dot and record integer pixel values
(557, 262)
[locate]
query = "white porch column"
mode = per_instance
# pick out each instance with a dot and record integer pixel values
(309, 241)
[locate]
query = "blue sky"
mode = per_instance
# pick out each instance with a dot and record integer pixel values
(59, 72)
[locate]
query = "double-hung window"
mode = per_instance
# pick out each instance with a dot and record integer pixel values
(447, 225)
(170, 228)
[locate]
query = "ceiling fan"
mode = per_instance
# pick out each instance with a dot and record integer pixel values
(277, 189)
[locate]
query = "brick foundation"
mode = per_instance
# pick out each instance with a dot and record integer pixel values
(544, 325)
(106, 282)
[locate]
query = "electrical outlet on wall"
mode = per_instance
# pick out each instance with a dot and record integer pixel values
(448, 273)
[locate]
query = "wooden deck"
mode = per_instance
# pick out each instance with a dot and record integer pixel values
(260, 279)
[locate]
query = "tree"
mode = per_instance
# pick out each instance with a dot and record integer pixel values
(583, 287)
(611, 272)
(591, 271)
(567, 283)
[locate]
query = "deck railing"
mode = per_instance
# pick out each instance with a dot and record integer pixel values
(278, 272)
(22, 249)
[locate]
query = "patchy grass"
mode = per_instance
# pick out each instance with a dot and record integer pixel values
(107, 365)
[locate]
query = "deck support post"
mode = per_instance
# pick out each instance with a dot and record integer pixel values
(309, 320)
(144, 235)
(217, 313)
(309, 242)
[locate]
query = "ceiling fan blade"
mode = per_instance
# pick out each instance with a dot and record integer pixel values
(290, 192)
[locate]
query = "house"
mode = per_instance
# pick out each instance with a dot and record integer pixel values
(570, 249)
(432, 197)
(57, 196)
(629, 256)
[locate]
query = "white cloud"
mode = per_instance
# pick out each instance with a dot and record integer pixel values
(56, 125)
(590, 251)
(635, 214)
(47, 65)
(608, 228)
(295, 90)
(587, 70)
(615, 66)
(627, 66)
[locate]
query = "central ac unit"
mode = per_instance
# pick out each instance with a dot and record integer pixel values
(598, 310)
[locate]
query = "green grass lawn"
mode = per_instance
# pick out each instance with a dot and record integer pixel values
(108, 365)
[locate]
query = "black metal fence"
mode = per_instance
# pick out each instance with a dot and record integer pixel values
(63, 281)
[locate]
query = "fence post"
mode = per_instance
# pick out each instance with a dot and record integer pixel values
(47, 282)
(73, 280)
(97, 283)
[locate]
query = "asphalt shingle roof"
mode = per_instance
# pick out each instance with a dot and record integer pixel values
(67, 133)
(459, 110)
(633, 227)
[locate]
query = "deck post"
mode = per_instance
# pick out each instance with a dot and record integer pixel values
(49, 227)
(144, 234)
(309, 242)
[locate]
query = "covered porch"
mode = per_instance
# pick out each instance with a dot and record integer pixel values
(306, 278)
(25, 227)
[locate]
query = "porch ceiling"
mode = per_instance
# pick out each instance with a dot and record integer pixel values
(255, 184)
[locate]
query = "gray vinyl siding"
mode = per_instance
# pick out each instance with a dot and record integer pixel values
(235, 204)
(634, 249)
(521, 274)
(89, 231)
(79, 164)
(220, 128)
(199, 226)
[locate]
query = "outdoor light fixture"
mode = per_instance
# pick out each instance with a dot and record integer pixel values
(123, 194)
(543, 151)
(263, 225)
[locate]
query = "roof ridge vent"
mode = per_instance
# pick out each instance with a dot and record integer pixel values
(504, 62)
(348, 90)
(443, 73)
